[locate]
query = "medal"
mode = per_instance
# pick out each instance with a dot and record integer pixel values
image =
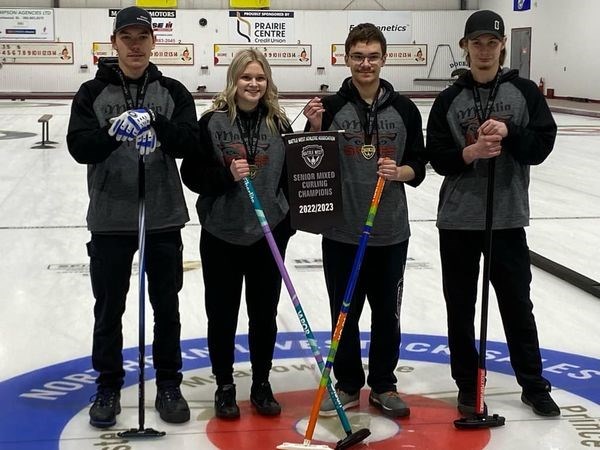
(367, 115)
(253, 170)
(368, 151)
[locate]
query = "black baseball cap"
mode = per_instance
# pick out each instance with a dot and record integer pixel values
(132, 16)
(484, 22)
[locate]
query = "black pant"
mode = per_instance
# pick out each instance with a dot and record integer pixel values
(111, 258)
(381, 281)
(224, 267)
(510, 275)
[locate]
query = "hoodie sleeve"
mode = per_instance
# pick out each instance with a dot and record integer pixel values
(87, 141)
(445, 156)
(332, 104)
(531, 144)
(414, 153)
(178, 135)
(201, 170)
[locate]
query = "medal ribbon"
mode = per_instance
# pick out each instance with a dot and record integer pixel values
(484, 114)
(250, 136)
(141, 93)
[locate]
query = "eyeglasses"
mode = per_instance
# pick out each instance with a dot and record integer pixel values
(358, 58)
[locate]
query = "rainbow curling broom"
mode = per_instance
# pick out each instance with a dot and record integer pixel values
(339, 326)
(351, 438)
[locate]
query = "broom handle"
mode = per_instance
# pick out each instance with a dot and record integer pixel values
(339, 326)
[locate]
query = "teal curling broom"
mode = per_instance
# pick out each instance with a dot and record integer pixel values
(351, 438)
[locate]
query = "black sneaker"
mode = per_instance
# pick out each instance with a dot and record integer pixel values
(541, 403)
(225, 405)
(262, 398)
(103, 413)
(466, 402)
(171, 405)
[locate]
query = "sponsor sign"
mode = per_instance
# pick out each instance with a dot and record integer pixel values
(164, 23)
(249, 3)
(156, 3)
(261, 27)
(26, 24)
(396, 26)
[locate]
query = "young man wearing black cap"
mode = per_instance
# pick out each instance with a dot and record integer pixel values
(489, 112)
(130, 109)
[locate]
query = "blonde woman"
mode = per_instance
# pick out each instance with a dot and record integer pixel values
(241, 137)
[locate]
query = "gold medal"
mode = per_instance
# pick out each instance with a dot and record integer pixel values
(253, 170)
(368, 151)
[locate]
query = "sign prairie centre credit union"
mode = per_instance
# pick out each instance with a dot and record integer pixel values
(261, 27)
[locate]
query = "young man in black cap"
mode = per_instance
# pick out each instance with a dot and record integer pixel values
(130, 109)
(489, 112)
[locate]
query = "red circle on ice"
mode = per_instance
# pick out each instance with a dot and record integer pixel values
(430, 426)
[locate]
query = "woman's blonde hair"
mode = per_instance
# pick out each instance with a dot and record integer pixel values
(270, 101)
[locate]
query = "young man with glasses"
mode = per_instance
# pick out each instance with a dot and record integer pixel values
(382, 138)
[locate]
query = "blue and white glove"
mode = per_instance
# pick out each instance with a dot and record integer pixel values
(146, 142)
(131, 123)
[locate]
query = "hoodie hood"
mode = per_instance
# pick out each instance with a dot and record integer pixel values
(108, 67)
(350, 93)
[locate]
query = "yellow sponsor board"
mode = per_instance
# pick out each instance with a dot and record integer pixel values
(156, 3)
(249, 3)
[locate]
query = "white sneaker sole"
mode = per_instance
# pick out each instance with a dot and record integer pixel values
(404, 412)
(333, 412)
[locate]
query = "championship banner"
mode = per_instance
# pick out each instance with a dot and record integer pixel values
(315, 188)
(36, 52)
(26, 24)
(277, 55)
(397, 55)
(162, 55)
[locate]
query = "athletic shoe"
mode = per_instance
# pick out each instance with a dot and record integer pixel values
(171, 405)
(541, 403)
(466, 402)
(390, 404)
(225, 405)
(261, 397)
(347, 400)
(103, 413)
